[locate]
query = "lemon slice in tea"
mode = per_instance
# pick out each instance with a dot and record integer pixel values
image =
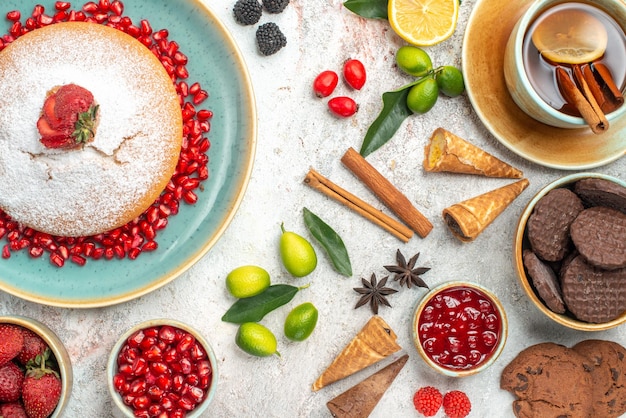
(423, 22)
(570, 36)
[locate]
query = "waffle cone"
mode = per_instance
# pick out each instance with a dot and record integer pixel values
(448, 152)
(361, 399)
(374, 342)
(467, 219)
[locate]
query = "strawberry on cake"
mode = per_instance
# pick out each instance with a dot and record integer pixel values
(90, 129)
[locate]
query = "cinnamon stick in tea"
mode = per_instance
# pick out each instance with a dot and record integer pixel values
(613, 92)
(572, 94)
(387, 192)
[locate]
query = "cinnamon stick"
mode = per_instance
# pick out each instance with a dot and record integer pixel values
(584, 87)
(595, 88)
(330, 189)
(387, 192)
(612, 91)
(571, 93)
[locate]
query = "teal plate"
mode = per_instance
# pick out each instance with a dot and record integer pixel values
(216, 63)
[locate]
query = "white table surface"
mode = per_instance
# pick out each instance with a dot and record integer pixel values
(295, 132)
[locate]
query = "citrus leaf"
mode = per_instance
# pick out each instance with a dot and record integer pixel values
(395, 111)
(254, 308)
(371, 9)
(330, 240)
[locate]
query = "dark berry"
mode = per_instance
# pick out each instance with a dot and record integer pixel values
(247, 12)
(269, 38)
(275, 6)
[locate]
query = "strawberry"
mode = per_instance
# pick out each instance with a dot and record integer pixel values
(12, 410)
(427, 401)
(11, 342)
(11, 378)
(456, 404)
(41, 391)
(68, 117)
(34, 345)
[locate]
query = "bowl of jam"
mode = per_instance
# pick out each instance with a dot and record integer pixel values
(459, 328)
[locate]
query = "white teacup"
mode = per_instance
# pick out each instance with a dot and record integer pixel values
(518, 83)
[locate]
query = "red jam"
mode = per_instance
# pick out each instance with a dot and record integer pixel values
(459, 328)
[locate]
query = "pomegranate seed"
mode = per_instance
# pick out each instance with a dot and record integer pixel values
(45, 20)
(90, 7)
(78, 260)
(14, 15)
(6, 252)
(117, 8)
(186, 403)
(62, 5)
(146, 29)
(57, 259)
(200, 97)
(35, 252)
(181, 71)
(103, 5)
(37, 11)
(204, 114)
(138, 387)
(190, 197)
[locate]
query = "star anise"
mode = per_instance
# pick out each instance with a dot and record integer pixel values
(374, 292)
(406, 273)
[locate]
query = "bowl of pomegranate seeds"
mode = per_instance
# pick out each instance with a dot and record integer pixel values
(162, 366)
(35, 369)
(459, 328)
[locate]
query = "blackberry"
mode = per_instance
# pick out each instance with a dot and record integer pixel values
(269, 38)
(247, 12)
(275, 6)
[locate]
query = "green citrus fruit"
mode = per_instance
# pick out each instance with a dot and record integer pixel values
(423, 96)
(450, 81)
(246, 281)
(255, 339)
(301, 322)
(296, 253)
(413, 60)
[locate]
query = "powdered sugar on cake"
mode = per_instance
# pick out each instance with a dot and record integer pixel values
(91, 189)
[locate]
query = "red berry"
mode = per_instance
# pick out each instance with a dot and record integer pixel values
(12, 410)
(354, 73)
(34, 345)
(427, 401)
(11, 379)
(343, 106)
(11, 342)
(325, 83)
(456, 404)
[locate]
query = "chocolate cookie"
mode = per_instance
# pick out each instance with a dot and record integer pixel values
(592, 294)
(601, 192)
(599, 234)
(545, 281)
(549, 380)
(548, 224)
(608, 361)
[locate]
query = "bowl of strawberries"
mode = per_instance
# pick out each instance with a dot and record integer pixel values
(35, 369)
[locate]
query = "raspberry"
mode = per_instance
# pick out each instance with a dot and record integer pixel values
(427, 401)
(456, 404)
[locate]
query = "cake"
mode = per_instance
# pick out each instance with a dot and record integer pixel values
(112, 178)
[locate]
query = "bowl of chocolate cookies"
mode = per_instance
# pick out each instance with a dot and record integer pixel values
(570, 251)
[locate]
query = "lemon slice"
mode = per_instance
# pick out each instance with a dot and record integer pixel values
(423, 22)
(570, 37)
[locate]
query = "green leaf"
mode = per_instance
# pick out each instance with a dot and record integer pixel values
(330, 240)
(254, 308)
(371, 9)
(395, 111)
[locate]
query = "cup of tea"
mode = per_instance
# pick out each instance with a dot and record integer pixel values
(565, 62)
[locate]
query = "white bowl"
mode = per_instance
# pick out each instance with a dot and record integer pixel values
(112, 365)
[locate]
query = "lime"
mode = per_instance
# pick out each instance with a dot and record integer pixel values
(246, 281)
(423, 96)
(297, 254)
(301, 322)
(255, 339)
(450, 81)
(413, 61)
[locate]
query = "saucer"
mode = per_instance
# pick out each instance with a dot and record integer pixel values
(488, 29)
